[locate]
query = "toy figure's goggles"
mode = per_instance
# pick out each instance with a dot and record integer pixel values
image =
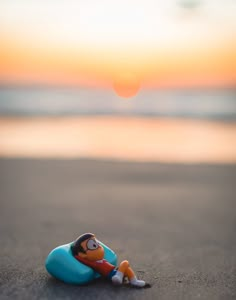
(92, 244)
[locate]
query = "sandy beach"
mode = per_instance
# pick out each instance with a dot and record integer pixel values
(174, 223)
(122, 138)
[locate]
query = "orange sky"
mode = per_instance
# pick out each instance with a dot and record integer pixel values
(199, 52)
(21, 62)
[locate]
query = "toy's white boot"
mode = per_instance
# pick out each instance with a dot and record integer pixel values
(138, 283)
(118, 278)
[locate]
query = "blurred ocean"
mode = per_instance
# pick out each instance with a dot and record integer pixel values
(189, 103)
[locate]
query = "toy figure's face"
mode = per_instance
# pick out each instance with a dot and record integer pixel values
(93, 250)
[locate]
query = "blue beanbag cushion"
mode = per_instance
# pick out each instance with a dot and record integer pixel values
(61, 264)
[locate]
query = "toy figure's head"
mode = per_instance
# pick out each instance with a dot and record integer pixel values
(87, 247)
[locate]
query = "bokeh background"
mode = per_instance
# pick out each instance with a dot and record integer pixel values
(119, 118)
(178, 60)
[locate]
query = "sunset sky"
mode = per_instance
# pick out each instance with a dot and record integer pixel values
(97, 43)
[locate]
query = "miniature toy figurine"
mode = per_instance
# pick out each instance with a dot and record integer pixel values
(87, 250)
(61, 264)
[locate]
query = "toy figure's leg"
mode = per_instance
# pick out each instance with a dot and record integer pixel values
(129, 273)
(118, 278)
(125, 270)
(133, 279)
(123, 267)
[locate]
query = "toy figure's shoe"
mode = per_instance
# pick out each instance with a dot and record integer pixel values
(117, 279)
(62, 265)
(137, 283)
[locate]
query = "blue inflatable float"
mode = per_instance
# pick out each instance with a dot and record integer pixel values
(62, 265)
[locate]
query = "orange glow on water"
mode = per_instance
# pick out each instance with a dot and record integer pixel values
(152, 139)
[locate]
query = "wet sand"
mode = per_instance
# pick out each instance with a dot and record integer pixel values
(175, 224)
(122, 138)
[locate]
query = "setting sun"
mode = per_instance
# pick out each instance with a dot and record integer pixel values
(126, 85)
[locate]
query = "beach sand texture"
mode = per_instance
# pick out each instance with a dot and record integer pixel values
(174, 223)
